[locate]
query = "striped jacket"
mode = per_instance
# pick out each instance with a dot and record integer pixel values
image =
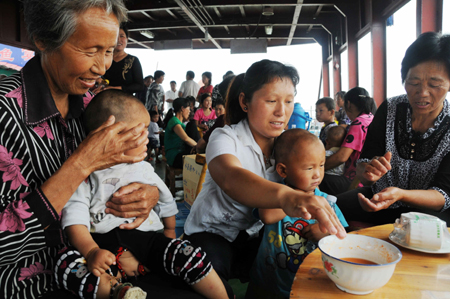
(34, 142)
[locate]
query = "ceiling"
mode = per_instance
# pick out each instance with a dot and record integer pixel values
(236, 24)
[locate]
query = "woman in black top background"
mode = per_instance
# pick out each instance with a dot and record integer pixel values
(125, 72)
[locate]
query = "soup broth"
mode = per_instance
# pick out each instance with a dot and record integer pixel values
(358, 261)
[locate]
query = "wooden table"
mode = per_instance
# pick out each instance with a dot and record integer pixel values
(417, 275)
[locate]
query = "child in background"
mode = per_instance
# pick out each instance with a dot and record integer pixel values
(300, 159)
(335, 137)
(325, 113)
(105, 247)
(153, 135)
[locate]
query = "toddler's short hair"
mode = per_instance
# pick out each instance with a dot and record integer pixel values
(287, 144)
(329, 103)
(109, 102)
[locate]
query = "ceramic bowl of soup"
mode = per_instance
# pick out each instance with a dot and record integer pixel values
(358, 264)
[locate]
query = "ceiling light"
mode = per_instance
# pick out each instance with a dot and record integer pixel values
(269, 29)
(206, 35)
(267, 11)
(147, 33)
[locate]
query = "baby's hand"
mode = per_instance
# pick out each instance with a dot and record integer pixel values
(313, 233)
(99, 260)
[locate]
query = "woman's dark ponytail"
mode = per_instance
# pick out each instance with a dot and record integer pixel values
(359, 97)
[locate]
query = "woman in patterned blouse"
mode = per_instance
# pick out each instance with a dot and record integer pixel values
(43, 158)
(405, 162)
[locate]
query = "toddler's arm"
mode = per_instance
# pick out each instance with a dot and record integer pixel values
(98, 260)
(270, 216)
(169, 226)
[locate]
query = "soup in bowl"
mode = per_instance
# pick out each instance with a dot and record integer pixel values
(358, 264)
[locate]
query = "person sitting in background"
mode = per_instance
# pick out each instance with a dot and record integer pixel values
(177, 143)
(325, 114)
(220, 110)
(360, 108)
(171, 95)
(129, 253)
(142, 95)
(189, 88)
(207, 87)
(405, 162)
(204, 113)
(340, 115)
(153, 136)
(299, 160)
(335, 137)
(125, 72)
(220, 120)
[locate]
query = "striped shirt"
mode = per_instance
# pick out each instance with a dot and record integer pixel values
(34, 142)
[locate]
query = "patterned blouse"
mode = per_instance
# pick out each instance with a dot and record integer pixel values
(419, 161)
(34, 142)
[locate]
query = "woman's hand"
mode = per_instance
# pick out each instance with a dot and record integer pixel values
(309, 206)
(134, 200)
(381, 200)
(376, 168)
(107, 145)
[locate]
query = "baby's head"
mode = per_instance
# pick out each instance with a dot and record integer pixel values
(300, 159)
(154, 116)
(335, 137)
(123, 106)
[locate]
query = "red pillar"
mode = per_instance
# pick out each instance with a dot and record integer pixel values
(430, 15)
(379, 61)
(325, 78)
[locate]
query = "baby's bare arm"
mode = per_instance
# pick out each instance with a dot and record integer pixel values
(98, 260)
(169, 226)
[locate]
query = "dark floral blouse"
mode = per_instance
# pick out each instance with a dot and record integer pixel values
(34, 142)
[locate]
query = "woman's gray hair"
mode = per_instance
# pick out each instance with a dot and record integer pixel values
(52, 22)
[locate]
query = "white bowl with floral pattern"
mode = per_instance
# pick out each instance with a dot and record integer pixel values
(356, 278)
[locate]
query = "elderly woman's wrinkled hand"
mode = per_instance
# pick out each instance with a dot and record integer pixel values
(316, 207)
(106, 146)
(135, 200)
(377, 167)
(381, 200)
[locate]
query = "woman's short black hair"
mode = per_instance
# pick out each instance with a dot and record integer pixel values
(209, 76)
(180, 103)
(359, 97)
(158, 74)
(124, 27)
(340, 94)
(429, 46)
(203, 97)
(177, 105)
(259, 74)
